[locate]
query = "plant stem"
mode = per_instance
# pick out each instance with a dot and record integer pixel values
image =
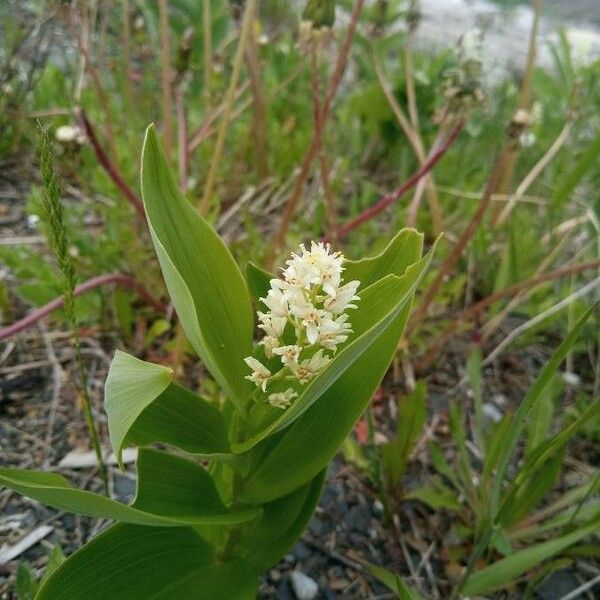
(165, 75)
(208, 59)
(91, 284)
(259, 121)
(317, 117)
(311, 151)
(109, 166)
(59, 242)
(247, 21)
(389, 199)
(465, 237)
(478, 307)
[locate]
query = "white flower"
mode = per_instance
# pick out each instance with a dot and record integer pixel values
(333, 333)
(260, 373)
(69, 133)
(276, 302)
(313, 299)
(309, 367)
(289, 354)
(343, 299)
(272, 326)
(282, 399)
(269, 343)
(311, 319)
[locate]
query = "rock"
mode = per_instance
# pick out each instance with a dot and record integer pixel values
(305, 587)
(301, 551)
(491, 413)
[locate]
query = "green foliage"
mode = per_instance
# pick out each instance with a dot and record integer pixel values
(209, 532)
(412, 412)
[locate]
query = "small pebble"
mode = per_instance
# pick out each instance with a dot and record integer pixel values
(491, 413)
(305, 587)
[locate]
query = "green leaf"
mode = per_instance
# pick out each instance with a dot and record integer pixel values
(435, 496)
(394, 582)
(295, 455)
(518, 422)
(569, 182)
(25, 584)
(541, 414)
(205, 283)
(412, 412)
(144, 406)
(379, 308)
(259, 281)
(541, 468)
(281, 523)
(403, 251)
(171, 491)
(510, 568)
(127, 562)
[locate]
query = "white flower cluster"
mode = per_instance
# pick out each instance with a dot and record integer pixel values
(312, 300)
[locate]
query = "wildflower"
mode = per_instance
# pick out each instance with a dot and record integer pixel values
(312, 297)
(260, 374)
(282, 399)
(309, 367)
(69, 133)
(269, 343)
(289, 354)
(343, 299)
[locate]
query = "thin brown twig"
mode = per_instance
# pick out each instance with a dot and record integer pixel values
(109, 166)
(91, 284)
(334, 82)
(472, 310)
(389, 199)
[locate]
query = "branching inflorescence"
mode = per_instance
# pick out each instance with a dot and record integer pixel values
(305, 322)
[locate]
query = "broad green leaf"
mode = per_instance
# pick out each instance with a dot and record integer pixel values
(295, 455)
(412, 412)
(510, 568)
(144, 406)
(258, 281)
(205, 283)
(281, 523)
(402, 251)
(130, 562)
(394, 582)
(518, 422)
(379, 308)
(171, 491)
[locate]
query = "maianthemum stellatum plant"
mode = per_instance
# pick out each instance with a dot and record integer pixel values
(239, 477)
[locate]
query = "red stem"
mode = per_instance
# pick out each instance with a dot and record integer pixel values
(392, 197)
(95, 282)
(110, 167)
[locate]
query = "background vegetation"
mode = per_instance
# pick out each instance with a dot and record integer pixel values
(280, 135)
